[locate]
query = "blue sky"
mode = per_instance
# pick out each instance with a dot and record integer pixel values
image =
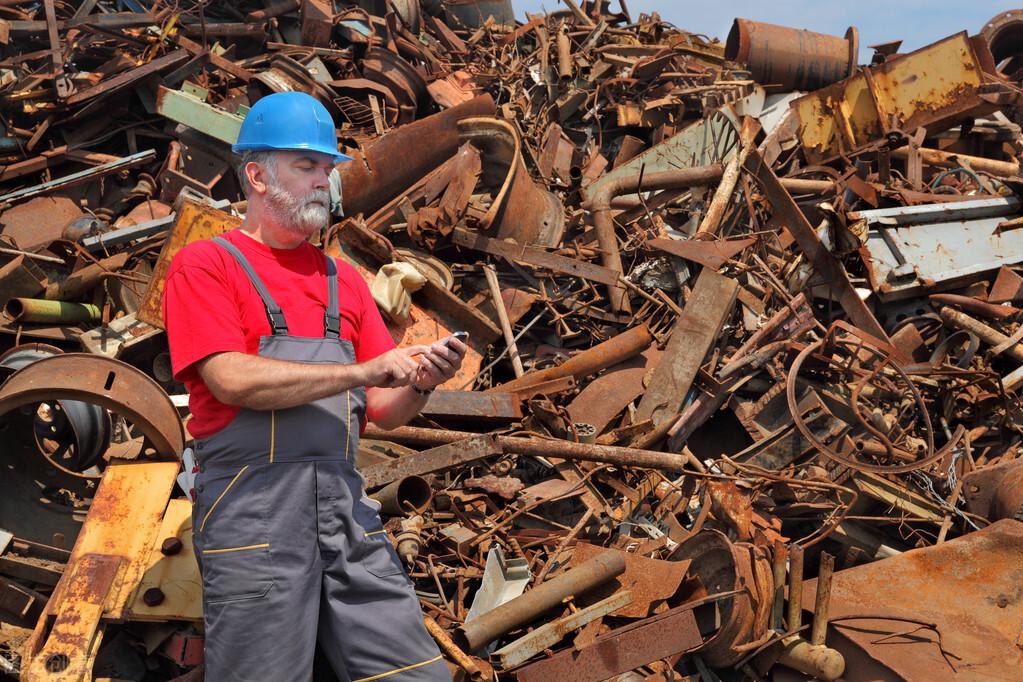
(916, 22)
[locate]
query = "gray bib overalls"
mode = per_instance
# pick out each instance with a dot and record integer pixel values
(290, 547)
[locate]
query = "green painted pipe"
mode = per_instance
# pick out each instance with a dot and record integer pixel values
(54, 312)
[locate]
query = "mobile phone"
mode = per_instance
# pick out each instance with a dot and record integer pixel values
(461, 336)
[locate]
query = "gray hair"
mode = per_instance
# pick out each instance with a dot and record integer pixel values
(265, 158)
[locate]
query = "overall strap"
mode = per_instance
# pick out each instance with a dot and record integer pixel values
(332, 316)
(273, 311)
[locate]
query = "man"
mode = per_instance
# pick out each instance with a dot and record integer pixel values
(284, 353)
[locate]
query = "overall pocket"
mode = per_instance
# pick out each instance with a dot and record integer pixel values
(232, 535)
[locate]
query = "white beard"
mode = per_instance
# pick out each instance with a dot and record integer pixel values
(299, 215)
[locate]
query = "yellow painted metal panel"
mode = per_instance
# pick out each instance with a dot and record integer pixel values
(104, 569)
(193, 221)
(931, 87)
(176, 575)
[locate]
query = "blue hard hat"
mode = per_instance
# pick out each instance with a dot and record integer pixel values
(289, 120)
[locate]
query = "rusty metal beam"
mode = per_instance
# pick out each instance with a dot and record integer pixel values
(458, 451)
(787, 213)
(619, 651)
(694, 334)
(535, 257)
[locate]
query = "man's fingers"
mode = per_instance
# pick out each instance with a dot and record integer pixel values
(413, 351)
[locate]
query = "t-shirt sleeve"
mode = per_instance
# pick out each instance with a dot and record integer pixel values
(373, 339)
(200, 312)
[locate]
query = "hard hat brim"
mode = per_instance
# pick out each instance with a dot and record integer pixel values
(337, 156)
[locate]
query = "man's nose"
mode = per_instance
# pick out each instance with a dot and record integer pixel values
(322, 180)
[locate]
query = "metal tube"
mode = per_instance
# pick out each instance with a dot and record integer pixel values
(502, 316)
(795, 612)
(616, 349)
(821, 606)
(461, 659)
(537, 447)
(990, 336)
(409, 495)
(53, 312)
(525, 608)
(983, 308)
(942, 159)
(599, 204)
(778, 573)
(564, 54)
(792, 58)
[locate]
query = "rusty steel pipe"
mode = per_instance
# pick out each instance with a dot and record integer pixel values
(822, 606)
(537, 447)
(1004, 35)
(397, 160)
(461, 659)
(793, 58)
(521, 610)
(617, 349)
(942, 159)
(564, 54)
(987, 334)
(409, 495)
(794, 618)
(599, 204)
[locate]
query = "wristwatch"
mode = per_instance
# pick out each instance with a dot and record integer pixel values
(421, 391)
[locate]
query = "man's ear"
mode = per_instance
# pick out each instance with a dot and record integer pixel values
(256, 175)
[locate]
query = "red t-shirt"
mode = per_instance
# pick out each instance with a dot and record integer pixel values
(210, 306)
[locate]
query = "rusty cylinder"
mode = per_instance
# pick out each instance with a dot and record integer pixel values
(795, 59)
(479, 632)
(409, 495)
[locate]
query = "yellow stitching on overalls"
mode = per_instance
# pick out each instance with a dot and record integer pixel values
(397, 670)
(348, 435)
(273, 415)
(375, 532)
(235, 549)
(207, 517)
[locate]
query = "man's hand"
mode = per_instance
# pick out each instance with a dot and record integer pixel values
(393, 369)
(439, 363)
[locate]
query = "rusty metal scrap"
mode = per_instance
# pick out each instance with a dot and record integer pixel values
(742, 315)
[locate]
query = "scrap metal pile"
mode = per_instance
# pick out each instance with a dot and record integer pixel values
(743, 323)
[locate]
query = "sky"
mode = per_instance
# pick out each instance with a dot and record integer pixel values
(916, 22)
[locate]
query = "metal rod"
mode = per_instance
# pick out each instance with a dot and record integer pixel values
(778, 572)
(821, 607)
(521, 610)
(54, 312)
(502, 316)
(537, 447)
(795, 612)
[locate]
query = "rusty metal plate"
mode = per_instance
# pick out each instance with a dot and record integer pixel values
(651, 581)
(102, 381)
(967, 588)
(37, 222)
(606, 396)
